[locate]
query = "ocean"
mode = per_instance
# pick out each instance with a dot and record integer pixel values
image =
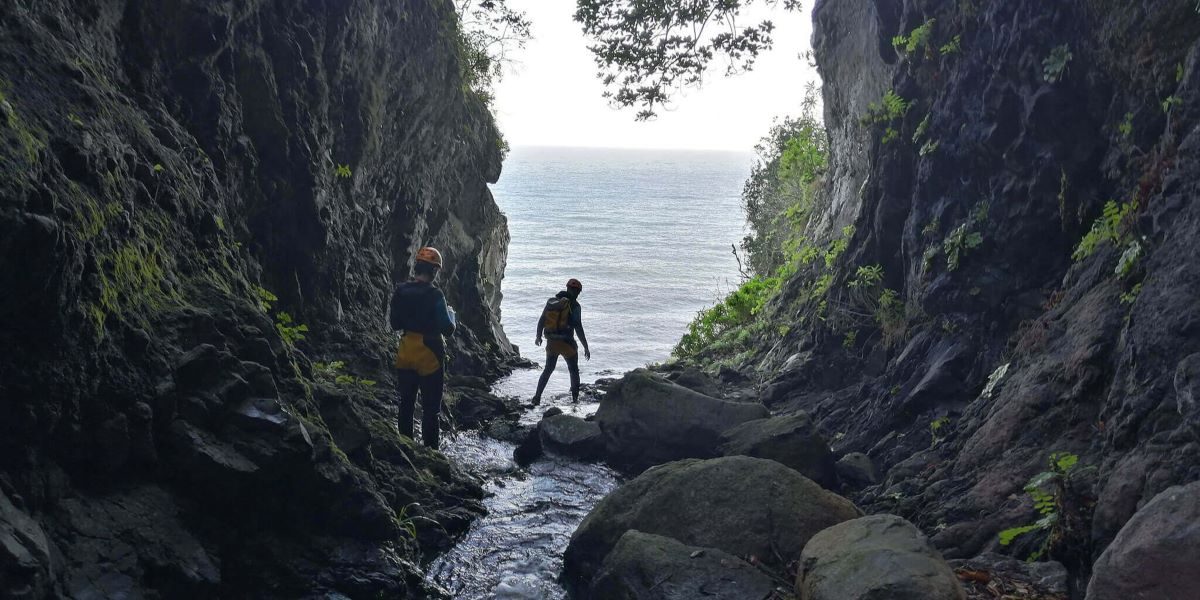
(648, 232)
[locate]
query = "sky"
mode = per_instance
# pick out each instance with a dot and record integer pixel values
(551, 97)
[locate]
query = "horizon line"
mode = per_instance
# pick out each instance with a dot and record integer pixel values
(650, 148)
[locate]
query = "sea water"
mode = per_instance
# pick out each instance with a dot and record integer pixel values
(649, 234)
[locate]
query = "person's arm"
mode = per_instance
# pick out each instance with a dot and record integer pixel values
(444, 315)
(394, 310)
(577, 316)
(540, 326)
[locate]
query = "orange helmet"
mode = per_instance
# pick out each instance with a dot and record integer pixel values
(573, 284)
(430, 255)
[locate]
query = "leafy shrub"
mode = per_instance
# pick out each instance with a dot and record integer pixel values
(1054, 65)
(342, 172)
(288, 329)
(1110, 227)
(964, 238)
(334, 372)
(958, 242)
(889, 109)
(784, 186)
(735, 311)
(954, 46)
(1048, 490)
(917, 39)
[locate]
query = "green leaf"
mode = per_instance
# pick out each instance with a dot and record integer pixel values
(1008, 535)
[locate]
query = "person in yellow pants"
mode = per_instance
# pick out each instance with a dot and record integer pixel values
(419, 311)
(561, 320)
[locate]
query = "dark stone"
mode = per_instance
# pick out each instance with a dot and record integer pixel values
(571, 436)
(1153, 554)
(648, 566)
(792, 440)
(696, 380)
(647, 420)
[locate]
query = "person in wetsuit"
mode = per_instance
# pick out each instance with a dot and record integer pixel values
(560, 321)
(418, 309)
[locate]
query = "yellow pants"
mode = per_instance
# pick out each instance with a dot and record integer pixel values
(414, 355)
(561, 348)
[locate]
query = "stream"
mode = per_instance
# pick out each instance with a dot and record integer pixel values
(515, 551)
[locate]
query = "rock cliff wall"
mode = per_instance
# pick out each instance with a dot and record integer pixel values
(182, 185)
(973, 201)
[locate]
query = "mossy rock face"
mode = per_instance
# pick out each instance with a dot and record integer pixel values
(160, 167)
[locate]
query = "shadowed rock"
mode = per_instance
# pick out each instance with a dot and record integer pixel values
(1156, 554)
(647, 420)
(792, 440)
(643, 567)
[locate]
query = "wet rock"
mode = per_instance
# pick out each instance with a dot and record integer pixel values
(571, 436)
(26, 569)
(529, 448)
(880, 556)
(1047, 578)
(643, 566)
(1154, 554)
(647, 420)
(856, 471)
(792, 440)
(550, 412)
(471, 407)
(744, 506)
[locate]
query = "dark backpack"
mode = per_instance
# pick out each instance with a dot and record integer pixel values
(556, 317)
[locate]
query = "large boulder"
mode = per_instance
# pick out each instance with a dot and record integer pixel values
(644, 566)
(1156, 554)
(742, 505)
(792, 440)
(647, 420)
(880, 556)
(571, 436)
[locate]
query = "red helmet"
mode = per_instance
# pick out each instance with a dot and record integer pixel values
(573, 284)
(430, 255)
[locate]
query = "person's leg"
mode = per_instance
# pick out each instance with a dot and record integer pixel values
(573, 368)
(551, 362)
(431, 407)
(406, 385)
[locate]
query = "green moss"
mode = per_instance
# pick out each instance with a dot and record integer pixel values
(90, 217)
(27, 138)
(132, 274)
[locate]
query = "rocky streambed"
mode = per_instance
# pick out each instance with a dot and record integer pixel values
(677, 485)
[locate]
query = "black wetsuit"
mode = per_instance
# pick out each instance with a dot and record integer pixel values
(419, 307)
(568, 348)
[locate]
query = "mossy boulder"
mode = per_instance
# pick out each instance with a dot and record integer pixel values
(880, 556)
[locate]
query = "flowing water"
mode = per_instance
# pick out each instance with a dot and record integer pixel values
(649, 235)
